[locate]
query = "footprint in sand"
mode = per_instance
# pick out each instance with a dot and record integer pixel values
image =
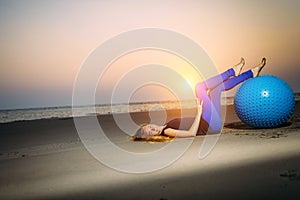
(291, 174)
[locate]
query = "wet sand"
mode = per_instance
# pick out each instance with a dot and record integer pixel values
(45, 159)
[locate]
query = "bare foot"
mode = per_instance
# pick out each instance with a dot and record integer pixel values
(256, 70)
(238, 67)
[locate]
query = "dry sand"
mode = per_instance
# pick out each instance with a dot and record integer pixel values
(45, 159)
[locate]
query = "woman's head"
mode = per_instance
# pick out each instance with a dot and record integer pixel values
(150, 132)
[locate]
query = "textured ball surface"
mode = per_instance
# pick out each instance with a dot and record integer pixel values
(264, 102)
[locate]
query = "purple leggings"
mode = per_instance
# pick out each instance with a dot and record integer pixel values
(210, 91)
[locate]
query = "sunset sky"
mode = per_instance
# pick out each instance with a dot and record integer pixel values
(44, 43)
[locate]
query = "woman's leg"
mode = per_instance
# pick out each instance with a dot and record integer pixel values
(215, 94)
(208, 110)
(215, 81)
(211, 108)
(218, 79)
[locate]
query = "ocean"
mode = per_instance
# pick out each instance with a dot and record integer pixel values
(67, 111)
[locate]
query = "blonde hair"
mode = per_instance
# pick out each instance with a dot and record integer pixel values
(138, 137)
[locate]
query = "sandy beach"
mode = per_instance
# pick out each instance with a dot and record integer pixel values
(45, 159)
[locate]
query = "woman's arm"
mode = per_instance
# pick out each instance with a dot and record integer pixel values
(192, 130)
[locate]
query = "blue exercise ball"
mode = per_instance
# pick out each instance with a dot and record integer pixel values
(264, 102)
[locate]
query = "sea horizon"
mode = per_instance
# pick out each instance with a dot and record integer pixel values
(67, 111)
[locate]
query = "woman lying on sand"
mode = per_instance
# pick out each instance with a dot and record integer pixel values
(208, 118)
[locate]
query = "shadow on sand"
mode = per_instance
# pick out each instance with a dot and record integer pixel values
(243, 126)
